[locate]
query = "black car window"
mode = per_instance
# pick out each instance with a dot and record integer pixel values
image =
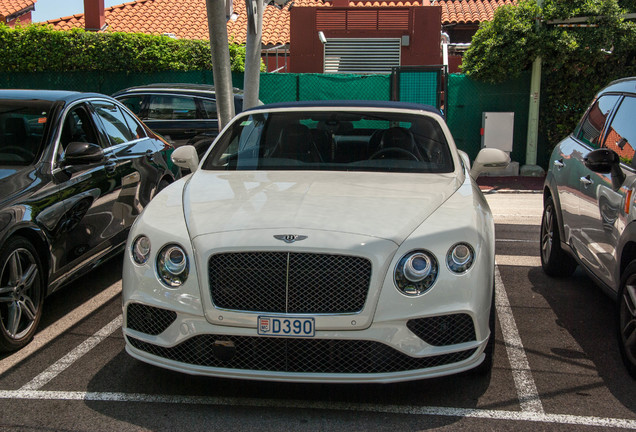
(77, 127)
(209, 108)
(621, 135)
(171, 108)
(133, 103)
(134, 125)
(589, 131)
(114, 123)
(22, 128)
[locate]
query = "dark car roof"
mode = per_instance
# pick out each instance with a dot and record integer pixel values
(47, 95)
(623, 85)
(349, 104)
(173, 87)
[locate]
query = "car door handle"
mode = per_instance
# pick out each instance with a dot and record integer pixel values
(559, 163)
(586, 181)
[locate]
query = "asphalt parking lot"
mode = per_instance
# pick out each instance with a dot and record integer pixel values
(557, 366)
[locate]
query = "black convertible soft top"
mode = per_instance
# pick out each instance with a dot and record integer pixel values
(349, 104)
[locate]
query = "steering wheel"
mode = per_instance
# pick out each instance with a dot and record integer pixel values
(396, 150)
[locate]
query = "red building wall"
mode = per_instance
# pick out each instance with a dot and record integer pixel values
(22, 20)
(421, 24)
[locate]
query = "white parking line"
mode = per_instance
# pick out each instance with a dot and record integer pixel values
(62, 364)
(63, 324)
(526, 389)
(520, 416)
(518, 260)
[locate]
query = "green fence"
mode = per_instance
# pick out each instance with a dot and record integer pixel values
(468, 99)
(274, 87)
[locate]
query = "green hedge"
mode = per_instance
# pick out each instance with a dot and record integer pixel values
(37, 48)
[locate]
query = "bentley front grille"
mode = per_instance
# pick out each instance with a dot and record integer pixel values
(295, 355)
(148, 319)
(285, 282)
(444, 330)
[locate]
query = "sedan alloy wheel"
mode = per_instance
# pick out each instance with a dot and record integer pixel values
(21, 294)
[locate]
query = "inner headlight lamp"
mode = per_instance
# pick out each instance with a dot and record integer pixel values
(172, 265)
(416, 272)
(460, 257)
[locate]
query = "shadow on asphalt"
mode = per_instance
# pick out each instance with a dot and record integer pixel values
(589, 316)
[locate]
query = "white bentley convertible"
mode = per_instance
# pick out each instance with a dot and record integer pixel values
(324, 241)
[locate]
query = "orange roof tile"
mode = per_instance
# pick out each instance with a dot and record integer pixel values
(187, 19)
(9, 7)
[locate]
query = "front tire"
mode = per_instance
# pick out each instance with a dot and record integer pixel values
(554, 260)
(22, 293)
(627, 318)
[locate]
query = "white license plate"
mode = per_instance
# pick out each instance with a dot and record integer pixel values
(285, 326)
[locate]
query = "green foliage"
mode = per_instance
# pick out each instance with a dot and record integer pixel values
(35, 48)
(577, 61)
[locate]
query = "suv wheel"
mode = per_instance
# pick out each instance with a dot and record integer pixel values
(554, 260)
(627, 318)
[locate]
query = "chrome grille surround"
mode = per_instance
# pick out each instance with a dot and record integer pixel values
(444, 330)
(295, 355)
(289, 282)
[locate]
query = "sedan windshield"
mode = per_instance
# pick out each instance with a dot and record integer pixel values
(22, 124)
(333, 140)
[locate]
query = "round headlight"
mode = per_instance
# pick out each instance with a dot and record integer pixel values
(416, 272)
(141, 249)
(460, 257)
(172, 265)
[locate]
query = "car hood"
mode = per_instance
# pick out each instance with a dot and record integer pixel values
(383, 205)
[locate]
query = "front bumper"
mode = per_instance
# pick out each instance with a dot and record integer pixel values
(388, 352)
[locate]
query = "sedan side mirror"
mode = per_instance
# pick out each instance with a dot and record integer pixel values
(82, 153)
(186, 157)
(489, 160)
(606, 161)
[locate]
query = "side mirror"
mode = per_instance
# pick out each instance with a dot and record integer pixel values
(489, 160)
(186, 157)
(82, 153)
(606, 161)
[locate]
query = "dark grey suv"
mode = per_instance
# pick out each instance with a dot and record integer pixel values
(589, 209)
(181, 113)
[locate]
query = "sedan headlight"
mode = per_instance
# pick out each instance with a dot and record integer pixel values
(460, 257)
(416, 272)
(141, 249)
(172, 265)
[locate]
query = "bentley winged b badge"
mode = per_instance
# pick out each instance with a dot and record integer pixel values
(290, 238)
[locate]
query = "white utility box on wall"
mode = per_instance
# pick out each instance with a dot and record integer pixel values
(497, 130)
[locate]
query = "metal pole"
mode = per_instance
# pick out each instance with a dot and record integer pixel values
(251, 80)
(531, 167)
(220, 48)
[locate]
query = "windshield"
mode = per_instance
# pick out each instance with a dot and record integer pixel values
(22, 124)
(333, 140)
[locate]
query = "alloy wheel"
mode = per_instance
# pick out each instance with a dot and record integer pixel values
(20, 294)
(627, 319)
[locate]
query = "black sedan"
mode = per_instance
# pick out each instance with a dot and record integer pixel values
(181, 113)
(75, 171)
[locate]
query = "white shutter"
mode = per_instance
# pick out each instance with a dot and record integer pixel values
(361, 55)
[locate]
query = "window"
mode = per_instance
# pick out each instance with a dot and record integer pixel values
(590, 129)
(171, 108)
(621, 135)
(77, 128)
(134, 125)
(209, 108)
(114, 123)
(133, 103)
